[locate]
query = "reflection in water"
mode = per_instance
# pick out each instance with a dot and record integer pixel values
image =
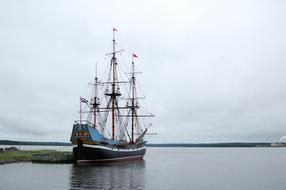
(120, 175)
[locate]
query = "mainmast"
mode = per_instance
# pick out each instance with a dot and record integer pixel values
(114, 92)
(113, 95)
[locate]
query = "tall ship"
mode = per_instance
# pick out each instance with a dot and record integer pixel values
(112, 124)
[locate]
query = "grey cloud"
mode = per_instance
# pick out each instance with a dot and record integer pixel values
(213, 71)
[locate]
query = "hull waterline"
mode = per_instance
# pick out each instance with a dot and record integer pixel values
(95, 153)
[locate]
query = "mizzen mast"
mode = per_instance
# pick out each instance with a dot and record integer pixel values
(132, 100)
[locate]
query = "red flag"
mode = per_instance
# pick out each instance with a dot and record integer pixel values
(114, 30)
(134, 55)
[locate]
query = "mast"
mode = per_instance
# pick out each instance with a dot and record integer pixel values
(114, 92)
(95, 96)
(80, 111)
(113, 97)
(133, 102)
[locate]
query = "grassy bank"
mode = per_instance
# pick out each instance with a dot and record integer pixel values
(10, 156)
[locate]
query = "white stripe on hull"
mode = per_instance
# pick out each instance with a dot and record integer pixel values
(111, 159)
(112, 149)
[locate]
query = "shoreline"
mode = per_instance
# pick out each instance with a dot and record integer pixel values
(2, 162)
(44, 156)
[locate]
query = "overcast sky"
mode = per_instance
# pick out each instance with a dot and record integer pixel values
(214, 70)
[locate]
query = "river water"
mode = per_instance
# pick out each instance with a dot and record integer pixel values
(162, 168)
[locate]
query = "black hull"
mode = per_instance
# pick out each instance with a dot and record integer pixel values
(101, 153)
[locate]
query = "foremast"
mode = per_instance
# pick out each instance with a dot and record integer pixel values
(95, 102)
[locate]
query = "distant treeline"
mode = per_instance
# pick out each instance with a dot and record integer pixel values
(232, 144)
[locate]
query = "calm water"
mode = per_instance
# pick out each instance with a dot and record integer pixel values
(163, 168)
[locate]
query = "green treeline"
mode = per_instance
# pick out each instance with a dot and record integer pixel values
(231, 144)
